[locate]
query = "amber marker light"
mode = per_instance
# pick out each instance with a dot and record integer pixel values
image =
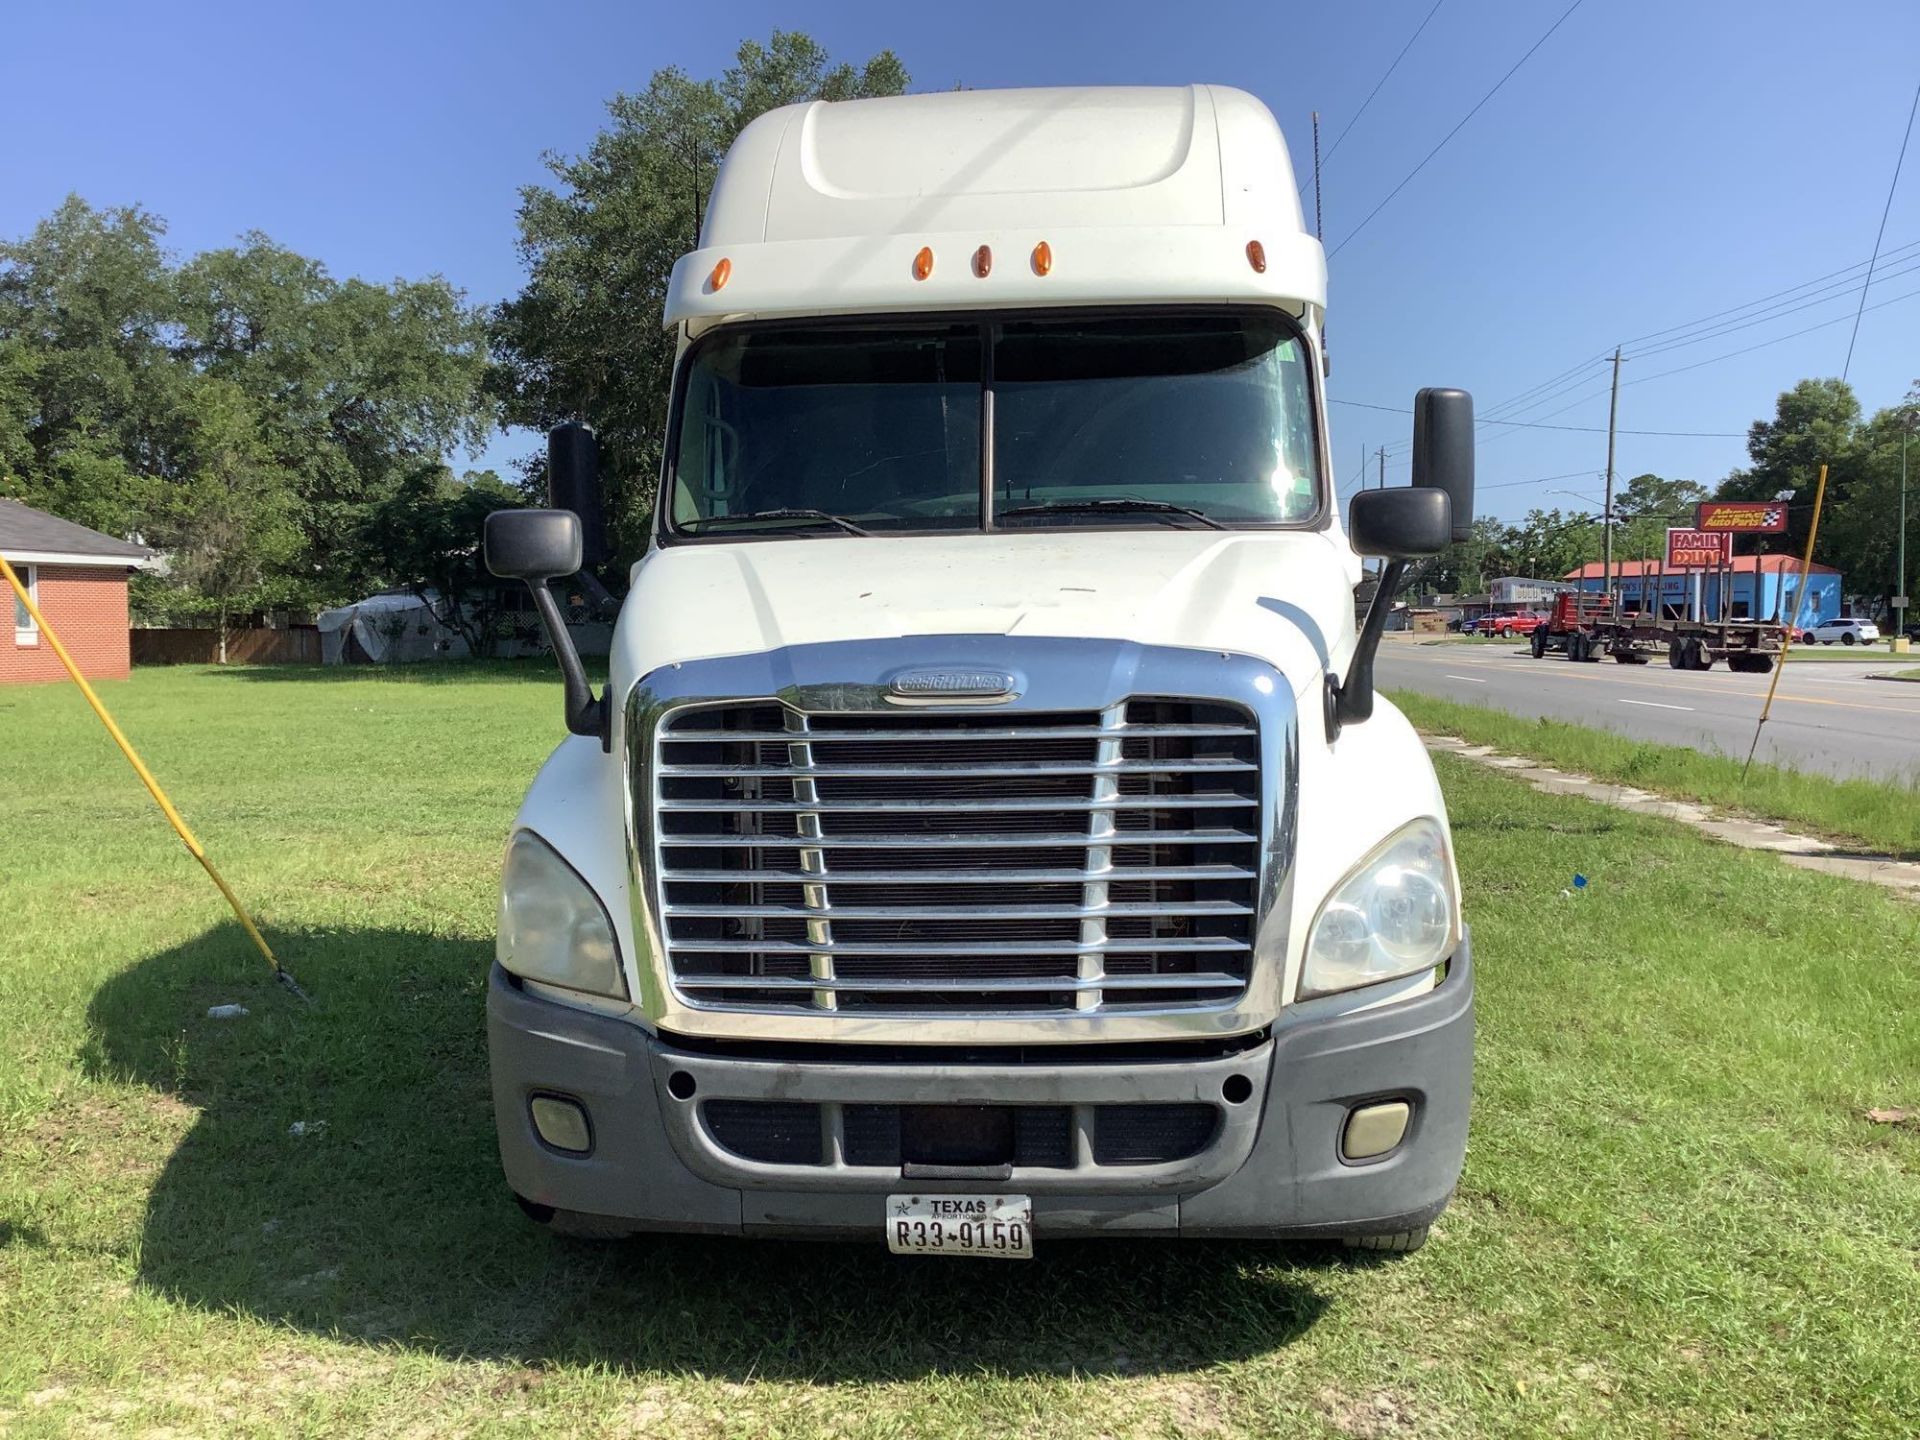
(1042, 258)
(1257, 257)
(923, 263)
(983, 262)
(722, 272)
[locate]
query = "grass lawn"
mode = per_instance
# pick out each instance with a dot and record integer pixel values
(1676, 1218)
(1902, 675)
(1884, 815)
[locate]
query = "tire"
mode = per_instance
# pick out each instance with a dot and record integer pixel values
(1677, 655)
(1399, 1242)
(1577, 647)
(1539, 641)
(1702, 657)
(1847, 638)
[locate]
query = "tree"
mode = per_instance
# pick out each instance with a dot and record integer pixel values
(226, 521)
(357, 385)
(583, 338)
(425, 538)
(244, 412)
(1643, 510)
(1468, 567)
(86, 381)
(1817, 421)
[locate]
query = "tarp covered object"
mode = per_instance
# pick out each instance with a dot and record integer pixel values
(386, 628)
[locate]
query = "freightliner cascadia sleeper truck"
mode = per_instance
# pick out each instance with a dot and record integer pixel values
(988, 832)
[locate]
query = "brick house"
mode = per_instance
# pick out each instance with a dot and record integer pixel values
(78, 580)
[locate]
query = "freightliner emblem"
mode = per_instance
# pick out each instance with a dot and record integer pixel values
(936, 684)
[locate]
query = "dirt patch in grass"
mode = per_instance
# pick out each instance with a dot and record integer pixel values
(1377, 1415)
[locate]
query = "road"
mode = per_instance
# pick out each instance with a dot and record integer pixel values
(1829, 718)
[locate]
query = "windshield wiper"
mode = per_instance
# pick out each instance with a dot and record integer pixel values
(1115, 506)
(816, 517)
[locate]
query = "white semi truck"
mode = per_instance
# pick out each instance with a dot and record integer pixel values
(988, 831)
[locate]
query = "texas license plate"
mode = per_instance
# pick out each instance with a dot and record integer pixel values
(996, 1227)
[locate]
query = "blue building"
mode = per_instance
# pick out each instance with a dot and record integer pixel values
(1698, 593)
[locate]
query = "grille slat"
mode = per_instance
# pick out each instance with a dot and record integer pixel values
(937, 771)
(958, 877)
(971, 985)
(1041, 865)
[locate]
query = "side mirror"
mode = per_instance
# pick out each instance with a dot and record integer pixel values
(1401, 523)
(1395, 525)
(537, 546)
(573, 483)
(1443, 451)
(532, 544)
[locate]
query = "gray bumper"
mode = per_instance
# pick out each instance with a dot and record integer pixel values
(1272, 1167)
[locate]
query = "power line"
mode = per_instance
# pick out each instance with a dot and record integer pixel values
(1881, 233)
(1844, 270)
(1773, 312)
(1377, 84)
(1585, 429)
(1778, 339)
(1456, 129)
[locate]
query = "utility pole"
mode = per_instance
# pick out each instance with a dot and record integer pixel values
(1900, 610)
(1613, 412)
(1383, 467)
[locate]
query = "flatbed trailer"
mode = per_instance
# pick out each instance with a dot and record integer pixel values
(1586, 627)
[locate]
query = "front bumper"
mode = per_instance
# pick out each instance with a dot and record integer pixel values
(1272, 1167)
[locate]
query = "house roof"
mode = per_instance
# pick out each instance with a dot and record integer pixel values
(1742, 565)
(35, 537)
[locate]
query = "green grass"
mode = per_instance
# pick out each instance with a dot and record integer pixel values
(1674, 1219)
(1880, 814)
(1839, 654)
(1902, 675)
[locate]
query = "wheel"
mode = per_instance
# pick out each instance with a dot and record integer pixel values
(1846, 637)
(1702, 657)
(1593, 650)
(1677, 655)
(1539, 641)
(1577, 646)
(1400, 1242)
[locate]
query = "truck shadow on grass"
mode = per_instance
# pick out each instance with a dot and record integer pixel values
(385, 1220)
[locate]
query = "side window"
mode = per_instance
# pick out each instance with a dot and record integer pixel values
(25, 632)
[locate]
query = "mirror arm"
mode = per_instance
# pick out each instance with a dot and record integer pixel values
(1350, 702)
(587, 713)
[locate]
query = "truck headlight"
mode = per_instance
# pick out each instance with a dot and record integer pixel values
(552, 926)
(1392, 916)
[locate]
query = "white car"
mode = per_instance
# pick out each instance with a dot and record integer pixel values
(1843, 630)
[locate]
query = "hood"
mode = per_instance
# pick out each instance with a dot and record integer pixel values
(1286, 598)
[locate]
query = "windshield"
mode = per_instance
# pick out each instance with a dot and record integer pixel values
(1142, 420)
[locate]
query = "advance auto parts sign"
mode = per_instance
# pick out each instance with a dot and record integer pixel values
(1742, 517)
(1698, 549)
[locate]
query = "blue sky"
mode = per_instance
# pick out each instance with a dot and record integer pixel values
(1655, 162)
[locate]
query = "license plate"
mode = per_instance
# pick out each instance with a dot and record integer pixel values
(995, 1227)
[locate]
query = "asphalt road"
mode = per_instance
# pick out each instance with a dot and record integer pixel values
(1826, 717)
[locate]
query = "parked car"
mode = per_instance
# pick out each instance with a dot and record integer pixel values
(1842, 630)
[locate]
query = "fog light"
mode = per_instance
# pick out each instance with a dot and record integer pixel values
(1375, 1129)
(562, 1124)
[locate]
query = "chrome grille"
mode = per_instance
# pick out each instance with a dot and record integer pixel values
(908, 863)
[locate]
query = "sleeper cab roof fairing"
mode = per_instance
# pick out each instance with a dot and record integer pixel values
(1082, 196)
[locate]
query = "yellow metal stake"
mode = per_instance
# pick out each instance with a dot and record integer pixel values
(1793, 623)
(187, 837)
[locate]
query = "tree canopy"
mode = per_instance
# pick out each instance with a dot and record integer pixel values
(242, 411)
(583, 339)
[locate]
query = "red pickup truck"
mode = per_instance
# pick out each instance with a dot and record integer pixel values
(1524, 623)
